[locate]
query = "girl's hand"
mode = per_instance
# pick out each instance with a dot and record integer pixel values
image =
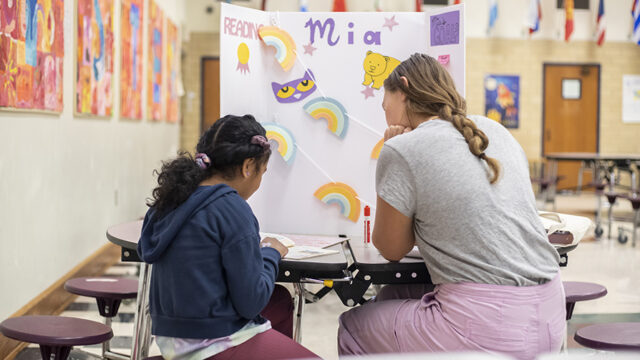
(395, 130)
(274, 243)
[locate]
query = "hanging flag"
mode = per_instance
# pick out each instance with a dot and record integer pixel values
(303, 6)
(568, 19)
(376, 4)
(339, 5)
(601, 24)
(534, 16)
(418, 5)
(493, 13)
(635, 13)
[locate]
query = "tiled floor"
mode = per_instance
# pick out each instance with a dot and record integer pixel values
(607, 262)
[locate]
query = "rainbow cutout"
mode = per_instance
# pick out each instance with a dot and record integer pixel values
(332, 111)
(343, 195)
(375, 153)
(284, 139)
(284, 44)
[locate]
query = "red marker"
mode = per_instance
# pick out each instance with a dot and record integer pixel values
(367, 225)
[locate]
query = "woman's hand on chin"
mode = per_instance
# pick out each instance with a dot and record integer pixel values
(395, 130)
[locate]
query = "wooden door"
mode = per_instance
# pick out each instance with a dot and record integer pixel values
(210, 96)
(571, 115)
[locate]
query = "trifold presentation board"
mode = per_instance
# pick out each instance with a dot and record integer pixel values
(314, 81)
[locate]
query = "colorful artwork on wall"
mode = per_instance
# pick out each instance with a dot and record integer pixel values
(173, 71)
(502, 96)
(94, 66)
(154, 86)
(131, 67)
(31, 54)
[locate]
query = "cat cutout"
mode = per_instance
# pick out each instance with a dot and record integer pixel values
(295, 90)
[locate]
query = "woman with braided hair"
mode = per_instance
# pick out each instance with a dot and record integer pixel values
(458, 188)
(213, 293)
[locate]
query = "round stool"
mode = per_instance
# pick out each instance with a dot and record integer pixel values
(580, 291)
(575, 291)
(109, 293)
(55, 334)
(613, 336)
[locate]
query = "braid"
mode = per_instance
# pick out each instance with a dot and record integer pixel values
(475, 138)
(430, 91)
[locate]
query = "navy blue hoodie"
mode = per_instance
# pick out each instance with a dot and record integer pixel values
(210, 276)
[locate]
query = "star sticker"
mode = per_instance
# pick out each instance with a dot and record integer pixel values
(309, 49)
(368, 92)
(390, 22)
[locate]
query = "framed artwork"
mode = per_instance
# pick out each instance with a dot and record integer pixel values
(94, 57)
(502, 99)
(154, 87)
(31, 54)
(131, 73)
(173, 71)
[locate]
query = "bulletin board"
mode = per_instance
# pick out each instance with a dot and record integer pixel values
(314, 80)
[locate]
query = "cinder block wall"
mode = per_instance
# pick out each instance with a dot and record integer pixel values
(526, 58)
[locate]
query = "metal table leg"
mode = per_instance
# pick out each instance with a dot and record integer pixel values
(299, 308)
(596, 180)
(554, 183)
(636, 220)
(612, 180)
(142, 327)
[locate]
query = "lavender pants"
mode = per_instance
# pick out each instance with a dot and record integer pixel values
(521, 322)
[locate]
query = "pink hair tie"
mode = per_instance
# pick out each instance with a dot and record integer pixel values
(262, 141)
(202, 160)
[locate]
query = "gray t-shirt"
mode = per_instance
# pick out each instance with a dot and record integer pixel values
(467, 230)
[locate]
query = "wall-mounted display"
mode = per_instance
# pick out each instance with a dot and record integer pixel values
(31, 54)
(502, 97)
(631, 98)
(154, 79)
(94, 57)
(131, 59)
(173, 71)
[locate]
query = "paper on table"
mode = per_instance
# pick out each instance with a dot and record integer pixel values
(322, 241)
(283, 239)
(304, 252)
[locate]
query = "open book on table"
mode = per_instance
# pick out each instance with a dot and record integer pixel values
(305, 246)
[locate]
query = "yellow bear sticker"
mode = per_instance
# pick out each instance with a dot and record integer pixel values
(377, 68)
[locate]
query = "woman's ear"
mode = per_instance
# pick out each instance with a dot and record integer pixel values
(405, 81)
(248, 165)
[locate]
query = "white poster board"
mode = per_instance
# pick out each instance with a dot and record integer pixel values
(631, 98)
(331, 50)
